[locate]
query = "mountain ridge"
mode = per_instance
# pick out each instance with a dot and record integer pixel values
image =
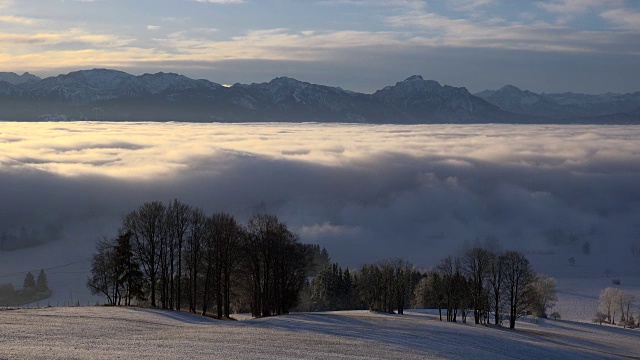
(564, 106)
(105, 94)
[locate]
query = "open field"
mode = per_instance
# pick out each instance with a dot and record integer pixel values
(112, 333)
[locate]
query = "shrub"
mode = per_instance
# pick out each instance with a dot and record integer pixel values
(555, 315)
(599, 318)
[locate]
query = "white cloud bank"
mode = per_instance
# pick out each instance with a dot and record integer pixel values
(364, 191)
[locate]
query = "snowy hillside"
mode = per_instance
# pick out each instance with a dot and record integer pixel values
(108, 333)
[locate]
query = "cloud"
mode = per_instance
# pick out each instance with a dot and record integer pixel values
(567, 7)
(470, 5)
(153, 27)
(73, 35)
(397, 4)
(443, 31)
(221, 1)
(28, 39)
(623, 18)
(17, 19)
(365, 192)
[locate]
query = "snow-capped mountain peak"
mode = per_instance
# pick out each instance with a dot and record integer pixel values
(15, 79)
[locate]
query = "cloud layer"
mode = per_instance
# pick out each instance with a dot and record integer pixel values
(364, 191)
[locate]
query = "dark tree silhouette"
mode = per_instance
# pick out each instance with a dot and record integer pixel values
(387, 285)
(495, 280)
(104, 278)
(517, 277)
(130, 278)
(476, 264)
(29, 281)
(179, 218)
(453, 285)
(277, 265)
(229, 235)
(42, 284)
(194, 253)
(148, 231)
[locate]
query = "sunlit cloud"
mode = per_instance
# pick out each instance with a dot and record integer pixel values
(17, 19)
(72, 35)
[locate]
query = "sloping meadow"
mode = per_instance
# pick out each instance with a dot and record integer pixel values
(111, 332)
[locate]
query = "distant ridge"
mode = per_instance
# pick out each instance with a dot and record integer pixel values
(104, 94)
(567, 107)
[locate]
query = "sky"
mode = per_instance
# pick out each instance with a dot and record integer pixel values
(588, 46)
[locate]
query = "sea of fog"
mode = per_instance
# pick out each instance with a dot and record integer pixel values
(365, 192)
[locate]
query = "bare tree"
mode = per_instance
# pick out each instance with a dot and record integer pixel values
(104, 278)
(517, 277)
(454, 285)
(277, 265)
(194, 253)
(608, 302)
(542, 294)
(625, 302)
(495, 280)
(476, 264)
(232, 236)
(146, 225)
(223, 240)
(178, 218)
(436, 287)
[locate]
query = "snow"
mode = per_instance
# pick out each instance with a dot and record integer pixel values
(578, 298)
(108, 332)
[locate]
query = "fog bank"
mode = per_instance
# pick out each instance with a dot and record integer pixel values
(365, 192)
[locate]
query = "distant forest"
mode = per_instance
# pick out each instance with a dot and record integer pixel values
(176, 256)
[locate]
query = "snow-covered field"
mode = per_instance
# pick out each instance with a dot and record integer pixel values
(112, 333)
(578, 298)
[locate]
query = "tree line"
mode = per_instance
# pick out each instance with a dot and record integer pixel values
(176, 255)
(480, 282)
(33, 289)
(487, 283)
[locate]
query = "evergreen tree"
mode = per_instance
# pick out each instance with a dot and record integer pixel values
(127, 270)
(29, 281)
(41, 283)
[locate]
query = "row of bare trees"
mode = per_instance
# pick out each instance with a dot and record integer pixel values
(486, 282)
(175, 253)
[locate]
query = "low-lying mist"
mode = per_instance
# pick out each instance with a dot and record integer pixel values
(364, 192)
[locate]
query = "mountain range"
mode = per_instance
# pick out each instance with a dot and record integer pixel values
(104, 94)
